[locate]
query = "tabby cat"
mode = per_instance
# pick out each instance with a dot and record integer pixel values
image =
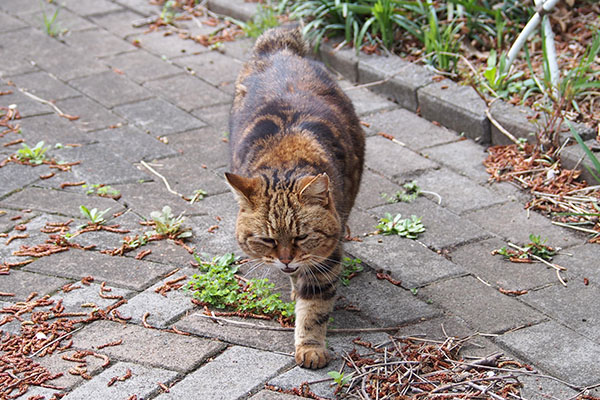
(297, 152)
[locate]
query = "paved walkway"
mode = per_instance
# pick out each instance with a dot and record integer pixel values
(163, 100)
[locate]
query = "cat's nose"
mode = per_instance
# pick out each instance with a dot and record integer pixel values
(285, 260)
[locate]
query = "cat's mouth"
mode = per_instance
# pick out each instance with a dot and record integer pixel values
(288, 269)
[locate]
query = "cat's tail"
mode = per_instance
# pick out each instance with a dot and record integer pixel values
(284, 37)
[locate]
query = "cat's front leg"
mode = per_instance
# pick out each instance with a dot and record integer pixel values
(313, 306)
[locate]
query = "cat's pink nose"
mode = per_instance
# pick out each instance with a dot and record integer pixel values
(285, 260)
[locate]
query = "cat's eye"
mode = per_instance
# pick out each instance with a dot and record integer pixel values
(300, 238)
(268, 241)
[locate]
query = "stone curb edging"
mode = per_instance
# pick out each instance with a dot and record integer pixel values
(454, 106)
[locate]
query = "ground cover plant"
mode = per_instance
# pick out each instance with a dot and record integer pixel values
(396, 225)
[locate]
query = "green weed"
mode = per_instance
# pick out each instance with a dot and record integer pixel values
(536, 247)
(165, 223)
(340, 378)
(198, 195)
(51, 26)
(588, 153)
(441, 44)
(169, 11)
(35, 155)
(351, 266)
(409, 193)
(94, 216)
(102, 190)
(265, 18)
(219, 287)
(408, 227)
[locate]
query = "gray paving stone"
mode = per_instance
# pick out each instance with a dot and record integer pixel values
(140, 6)
(393, 160)
(515, 119)
(92, 116)
(463, 157)
(120, 22)
(167, 253)
(33, 226)
(110, 89)
(70, 65)
(235, 8)
(581, 261)
(57, 202)
(15, 176)
(214, 68)
(99, 42)
(266, 340)
(169, 47)
(26, 106)
(206, 145)
(444, 228)
(38, 391)
(408, 261)
(536, 388)
(7, 222)
(121, 140)
(438, 102)
(459, 193)
(342, 60)
(20, 60)
(215, 116)
(159, 117)
(178, 89)
(23, 283)
(143, 383)
(574, 157)
(141, 66)
(219, 241)
(150, 347)
(65, 23)
(163, 309)
(269, 395)
(52, 129)
(44, 85)
(361, 222)
(143, 198)
(556, 350)
(91, 7)
(575, 306)
(295, 377)
(85, 294)
(482, 307)
(19, 6)
(55, 364)
(9, 23)
(250, 367)
(512, 222)
(125, 272)
(241, 48)
(417, 133)
(477, 258)
(364, 101)
(404, 78)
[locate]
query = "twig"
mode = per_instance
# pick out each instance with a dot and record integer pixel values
(500, 127)
(577, 228)
(58, 110)
(145, 164)
(56, 340)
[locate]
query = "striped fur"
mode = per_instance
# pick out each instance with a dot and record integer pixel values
(297, 153)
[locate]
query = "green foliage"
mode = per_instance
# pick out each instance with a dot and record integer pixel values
(441, 43)
(169, 11)
(136, 241)
(165, 223)
(340, 379)
(351, 268)
(219, 287)
(588, 153)
(93, 215)
(102, 190)
(409, 194)
(265, 18)
(33, 155)
(408, 227)
(198, 195)
(536, 247)
(500, 81)
(51, 26)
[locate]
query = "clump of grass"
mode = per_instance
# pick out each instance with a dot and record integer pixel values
(50, 23)
(595, 174)
(266, 17)
(166, 224)
(34, 155)
(219, 286)
(407, 227)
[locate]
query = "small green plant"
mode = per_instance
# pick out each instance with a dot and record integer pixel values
(35, 155)
(414, 291)
(169, 11)
(441, 44)
(352, 266)
(340, 378)
(265, 18)
(219, 287)
(409, 193)
(500, 81)
(102, 190)
(408, 227)
(51, 26)
(94, 216)
(136, 241)
(537, 247)
(165, 223)
(588, 153)
(198, 195)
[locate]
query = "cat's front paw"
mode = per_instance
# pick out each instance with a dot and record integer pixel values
(312, 357)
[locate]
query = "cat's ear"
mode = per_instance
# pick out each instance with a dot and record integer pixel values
(243, 188)
(314, 189)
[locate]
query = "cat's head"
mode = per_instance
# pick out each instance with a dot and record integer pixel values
(291, 225)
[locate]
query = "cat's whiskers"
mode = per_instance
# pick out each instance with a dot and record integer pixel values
(331, 277)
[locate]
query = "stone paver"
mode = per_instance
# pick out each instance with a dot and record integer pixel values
(143, 95)
(251, 369)
(150, 347)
